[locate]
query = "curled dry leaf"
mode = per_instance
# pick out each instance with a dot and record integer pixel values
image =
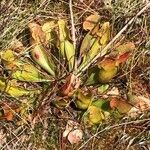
(75, 136)
(70, 125)
(73, 132)
(134, 112)
(38, 36)
(9, 112)
(9, 116)
(143, 103)
(126, 47)
(91, 22)
(113, 91)
(17, 46)
(121, 105)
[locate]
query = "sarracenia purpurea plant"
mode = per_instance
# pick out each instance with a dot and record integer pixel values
(52, 60)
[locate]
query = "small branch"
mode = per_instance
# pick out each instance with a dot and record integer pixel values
(85, 67)
(73, 33)
(72, 24)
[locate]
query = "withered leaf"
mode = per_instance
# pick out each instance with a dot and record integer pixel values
(38, 36)
(121, 105)
(90, 22)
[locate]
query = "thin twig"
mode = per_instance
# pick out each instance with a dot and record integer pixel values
(86, 66)
(72, 24)
(73, 32)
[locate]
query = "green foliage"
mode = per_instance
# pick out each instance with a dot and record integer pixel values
(96, 110)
